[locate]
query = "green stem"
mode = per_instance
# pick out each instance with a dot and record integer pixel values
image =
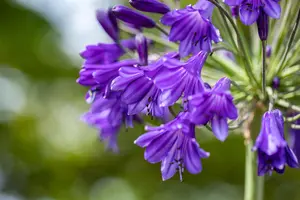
(228, 31)
(247, 62)
(264, 67)
(249, 178)
(287, 104)
(151, 36)
(292, 119)
(260, 186)
(162, 30)
(295, 126)
(290, 42)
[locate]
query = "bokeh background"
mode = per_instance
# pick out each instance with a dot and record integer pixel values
(47, 153)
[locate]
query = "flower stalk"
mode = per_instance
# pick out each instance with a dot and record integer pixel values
(264, 68)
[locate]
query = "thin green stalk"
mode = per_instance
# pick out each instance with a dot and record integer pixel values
(264, 68)
(287, 104)
(290, 42)
(295, 126)
(162, 30)
(260, 187)
(249, 178)
(292, 119)
(228, 31)
(247, 63)
(153, 37)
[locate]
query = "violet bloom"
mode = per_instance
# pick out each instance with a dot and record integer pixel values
(142, 48)
(138, 89)
(269, 51)
(180, 78)
(251, 9)
(138, 92)
(263, 25)
(205, 8)
(153, 6)
(234, 11)
(214, 105)
(174, 145)
(272, 149)
(109, 23)
(106, 53)
(101, 74)
(130, 16)
(295, 139)
(276, 83)
(108, 115)
(194, 31)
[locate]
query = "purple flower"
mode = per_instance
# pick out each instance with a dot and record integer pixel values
(263, 25)
(269, 51)
(142, 48)
(272, 149)
(109, 23)
(138, 92)
(251, 9)
(101, 74)
(295, 139)
(180, 78)
(132, 17)
(108, 115)
(174, 145)
(276, 83)
(214, 105)
(153, 6)
(106, 53)
(234, 11)
(205, 8)
(194, 31)
(138, 89)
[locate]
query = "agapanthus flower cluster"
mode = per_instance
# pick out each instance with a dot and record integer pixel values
(129, 79)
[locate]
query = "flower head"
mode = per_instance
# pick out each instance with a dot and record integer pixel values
(251, 9)
(194, 31)
(174, 145)
(180, 78)
(214, 105)
(272, 149)
(153, 6)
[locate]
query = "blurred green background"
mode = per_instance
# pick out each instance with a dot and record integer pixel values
(47, 153)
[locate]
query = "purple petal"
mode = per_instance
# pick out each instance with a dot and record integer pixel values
(159, 147)
(272, 8)
(145, 139)
(220, 128)
(192, 160)
(248, 15)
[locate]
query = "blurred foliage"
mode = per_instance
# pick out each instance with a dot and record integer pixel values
(47, 153)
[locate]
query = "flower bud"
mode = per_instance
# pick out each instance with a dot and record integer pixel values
(128, 15)
(152, 6)
(235, 11)
(263, 25)
(268, 51)
(109, 23)
(276, 82)
(142, 48)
